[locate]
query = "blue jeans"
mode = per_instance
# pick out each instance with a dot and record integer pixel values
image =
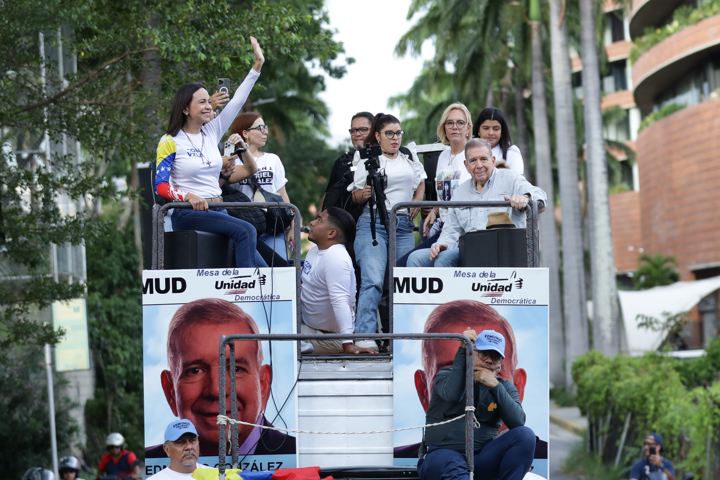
(276, 242)
(373, 261)
(508, 457)
(446, 258)
(427, 243)
(242, 233)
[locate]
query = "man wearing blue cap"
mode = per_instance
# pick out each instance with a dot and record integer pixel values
(507, 457)
(653, 462)
(182, 447)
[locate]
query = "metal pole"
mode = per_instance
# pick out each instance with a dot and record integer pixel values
(222, 447)
(226, 340)
(51, 408)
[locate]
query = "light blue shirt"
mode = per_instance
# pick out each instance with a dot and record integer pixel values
(502, 183)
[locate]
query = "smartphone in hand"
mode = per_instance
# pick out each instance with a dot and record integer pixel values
(229, 149)
(224, 85)
(653, 450)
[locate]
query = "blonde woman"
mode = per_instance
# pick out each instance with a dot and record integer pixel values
(454, 130)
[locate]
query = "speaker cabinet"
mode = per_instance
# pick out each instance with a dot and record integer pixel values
(499, 247)
(193, 249)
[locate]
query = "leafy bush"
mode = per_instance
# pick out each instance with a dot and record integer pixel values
(682, 18)
(665, 111)
(680, 399)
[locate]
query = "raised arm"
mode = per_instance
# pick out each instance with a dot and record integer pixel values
(226, 117)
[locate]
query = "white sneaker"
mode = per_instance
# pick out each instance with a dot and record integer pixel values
(369, 344)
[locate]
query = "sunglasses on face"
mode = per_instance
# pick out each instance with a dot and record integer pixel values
(494, 356)
(261, 128)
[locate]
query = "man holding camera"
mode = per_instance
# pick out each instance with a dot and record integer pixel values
(653, 465)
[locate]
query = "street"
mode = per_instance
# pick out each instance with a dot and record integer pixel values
(561, 443)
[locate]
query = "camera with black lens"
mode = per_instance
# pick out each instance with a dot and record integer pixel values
(377, 182)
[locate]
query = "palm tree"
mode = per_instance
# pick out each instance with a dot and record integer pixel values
(655, 271)
(576, 330)
(549, 254)
(606, 333)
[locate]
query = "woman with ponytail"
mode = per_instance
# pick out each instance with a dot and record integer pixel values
(405, 182)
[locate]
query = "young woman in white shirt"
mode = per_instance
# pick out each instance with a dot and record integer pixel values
(270, 173)
(492, 126)
(405, 182)
(189, 167)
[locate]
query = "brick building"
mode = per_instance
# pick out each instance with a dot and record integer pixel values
(672, 203)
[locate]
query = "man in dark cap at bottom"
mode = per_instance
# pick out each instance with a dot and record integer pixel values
(507, 457)
(653, 465)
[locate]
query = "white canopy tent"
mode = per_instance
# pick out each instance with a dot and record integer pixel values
(673, 299)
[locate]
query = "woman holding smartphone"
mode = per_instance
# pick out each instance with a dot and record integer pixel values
(189, 166)
(405, 182)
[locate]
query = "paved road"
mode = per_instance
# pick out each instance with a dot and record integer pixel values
(561, 442)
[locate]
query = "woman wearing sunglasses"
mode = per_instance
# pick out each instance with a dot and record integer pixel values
(270, 171)
(189, 167)
(405, 182)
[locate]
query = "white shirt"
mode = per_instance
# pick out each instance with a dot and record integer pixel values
(168, 474)
(514, 160)
(328, 290)
(450, 173)
(404, 175)
(191, 162)
(270, 175)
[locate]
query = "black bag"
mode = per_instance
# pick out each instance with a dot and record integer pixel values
(276, 219)
(254, 216)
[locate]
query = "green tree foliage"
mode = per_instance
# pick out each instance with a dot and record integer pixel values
(120, 67)
(115, 330)
(655, 271)
(24, 425)
(131, 58)
(679, 398)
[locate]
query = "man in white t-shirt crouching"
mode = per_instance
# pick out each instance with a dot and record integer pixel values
(327, 300)
(182, 447)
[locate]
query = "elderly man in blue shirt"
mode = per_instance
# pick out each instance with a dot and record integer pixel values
(487, 184)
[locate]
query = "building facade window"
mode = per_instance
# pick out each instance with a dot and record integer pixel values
(700, 84)
(616, 79)
(615, 29)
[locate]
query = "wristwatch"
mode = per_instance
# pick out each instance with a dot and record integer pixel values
(225, 177)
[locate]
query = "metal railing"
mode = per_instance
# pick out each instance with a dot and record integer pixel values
(531, 228)
(158, 252)
(227, 342)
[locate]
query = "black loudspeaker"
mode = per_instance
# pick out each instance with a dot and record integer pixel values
(192, 249)
(498, 247)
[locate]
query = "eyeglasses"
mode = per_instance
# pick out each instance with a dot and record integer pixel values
(494, 356)
(651, 444)
(262, 128)
(390, 134)
(460, 124)
(362, 130)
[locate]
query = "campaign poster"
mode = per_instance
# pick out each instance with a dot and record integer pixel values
(446, 300)
(185, 312)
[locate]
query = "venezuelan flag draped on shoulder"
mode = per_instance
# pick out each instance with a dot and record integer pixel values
(307, 473)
